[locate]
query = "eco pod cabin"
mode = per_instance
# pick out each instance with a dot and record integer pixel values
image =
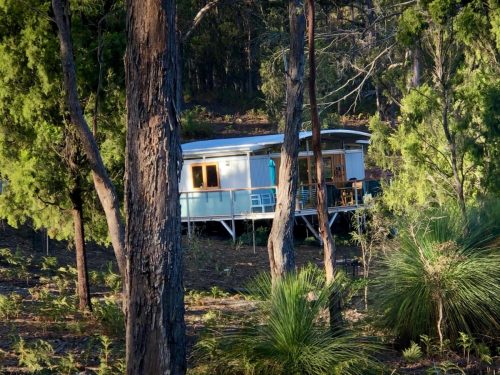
(232, 179)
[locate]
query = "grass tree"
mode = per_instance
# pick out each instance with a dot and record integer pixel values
(439, 280)
(291, 337)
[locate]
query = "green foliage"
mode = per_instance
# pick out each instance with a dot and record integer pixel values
(410, 27)
(110, 316)
(51, 307)
(35, 357)
(112, 279)
(65, 278)
(217, 292)
(67, 365)
(17, 262)
(413, 353)
(290, 338)
(445, 368)
(10, 306)
(465, 342)
(442, 263)
(37, 144)
(195, 124)
(461, 39)
(49, 264)
(261, 237)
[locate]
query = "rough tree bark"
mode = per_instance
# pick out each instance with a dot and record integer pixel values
(321, 199)
(280, 244)
(102, 183)
(155, 334)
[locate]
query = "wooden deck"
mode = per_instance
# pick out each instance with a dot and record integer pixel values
(229, 205)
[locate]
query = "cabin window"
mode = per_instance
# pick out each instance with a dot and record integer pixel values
(205, 176)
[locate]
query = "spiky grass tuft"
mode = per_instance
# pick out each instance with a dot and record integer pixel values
(291, 338)
(442, 278)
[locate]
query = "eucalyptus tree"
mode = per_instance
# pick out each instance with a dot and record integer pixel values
(280, 244)
(155, 334)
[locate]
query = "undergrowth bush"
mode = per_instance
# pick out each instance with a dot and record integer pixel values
(194, 124)
(109, 315)
(35, 357)
(17, 262)
(292, 338)
(413, 353)
(53, 307)
(10, 306)
(443, 278)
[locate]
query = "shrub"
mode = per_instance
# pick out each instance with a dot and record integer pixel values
(261, 237)
(10, 306)
(110, 316)
(51, 307)
(194, 125)
(35, 357)
(65, 278)
(18, 263)
(443, 279)
(67, 365)
(292, 339)
(413, 353)
(112, 279)
(49, 264)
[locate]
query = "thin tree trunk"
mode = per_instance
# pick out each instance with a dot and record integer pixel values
(417, 67)
(459, 191)
(81, 256)
(102, 183)
(155, 334)
(321, 202)
(280, 244)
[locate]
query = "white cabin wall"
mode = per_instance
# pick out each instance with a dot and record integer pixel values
(232, 172)
(354, 164)
(259, 171)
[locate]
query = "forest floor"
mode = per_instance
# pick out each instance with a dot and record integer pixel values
(38, 303)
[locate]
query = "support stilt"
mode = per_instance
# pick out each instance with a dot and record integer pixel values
(332, 219)
(311, 228)
(230, 230)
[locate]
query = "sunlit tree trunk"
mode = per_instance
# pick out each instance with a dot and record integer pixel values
(280, 244)
(155, 333)
(102, 183)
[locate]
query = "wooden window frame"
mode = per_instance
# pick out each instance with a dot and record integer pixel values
(204, 175)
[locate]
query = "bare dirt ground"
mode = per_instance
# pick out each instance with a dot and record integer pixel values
(215, 271)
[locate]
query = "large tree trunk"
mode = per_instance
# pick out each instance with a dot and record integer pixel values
(321, 202)
(81, 256)
(155, 334)
(280, 244)
(103, 185)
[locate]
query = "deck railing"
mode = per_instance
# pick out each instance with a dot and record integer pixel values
(241, 202)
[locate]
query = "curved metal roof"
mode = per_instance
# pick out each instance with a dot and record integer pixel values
(255, 143)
